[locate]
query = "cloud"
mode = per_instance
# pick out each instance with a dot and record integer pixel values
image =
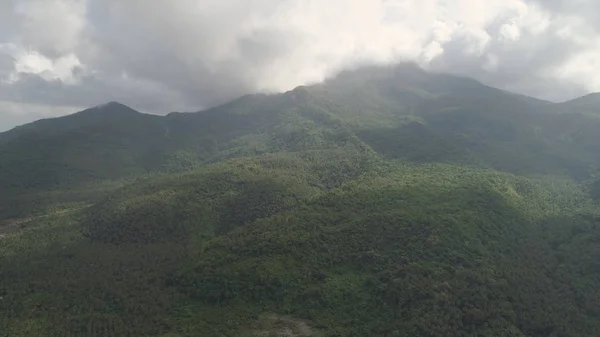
(13, 114)
(160, 56)
(52, 27)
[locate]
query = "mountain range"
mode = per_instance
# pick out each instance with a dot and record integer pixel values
(385, 201)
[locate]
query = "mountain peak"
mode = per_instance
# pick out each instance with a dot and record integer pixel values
(111, 106)
(109, 109)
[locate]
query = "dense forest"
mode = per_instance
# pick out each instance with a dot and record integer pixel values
(382, 202)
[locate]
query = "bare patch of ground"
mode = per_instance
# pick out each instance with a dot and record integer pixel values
(280, 326)
(10, 226)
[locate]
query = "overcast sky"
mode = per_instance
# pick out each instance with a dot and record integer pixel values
(60, 56)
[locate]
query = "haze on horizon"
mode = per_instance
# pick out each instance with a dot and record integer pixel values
(60, 56)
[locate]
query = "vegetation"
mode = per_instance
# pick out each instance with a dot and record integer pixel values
(380, 203)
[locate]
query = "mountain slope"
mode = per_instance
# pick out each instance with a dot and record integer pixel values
(114, 141)
(419, 252)
(369, 205)
(380, 105)
(588, 104)
(105, 142)
(443, 118)
(401, 112)
(391, 250)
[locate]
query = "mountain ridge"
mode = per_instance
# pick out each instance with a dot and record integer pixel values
(377, 204)
(454, 110)
(113, 105)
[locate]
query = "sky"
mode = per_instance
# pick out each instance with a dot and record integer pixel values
(61, 56)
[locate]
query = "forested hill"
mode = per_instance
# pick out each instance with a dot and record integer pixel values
(402, 112)
(382, 202)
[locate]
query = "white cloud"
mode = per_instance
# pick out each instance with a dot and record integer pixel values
(52, 26)
(61, 68)
(510, 31)
(431, 51)
(585, 65)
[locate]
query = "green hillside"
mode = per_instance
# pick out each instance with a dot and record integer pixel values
(379, 249)
(402, 112)
(418, 252)
(382, 202)
(379, 105)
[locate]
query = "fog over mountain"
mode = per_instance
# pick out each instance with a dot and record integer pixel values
(58, 56)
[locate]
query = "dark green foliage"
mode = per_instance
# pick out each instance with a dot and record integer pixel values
(398, 249)
(417, 142)
(100, 143)
(21, 205)
(81, 288)
(325, 211)
(595, 190)
(220, 197)
(430, 255)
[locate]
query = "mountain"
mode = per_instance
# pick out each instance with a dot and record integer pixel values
(385, 201)
(448, 118)
(589, 104)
